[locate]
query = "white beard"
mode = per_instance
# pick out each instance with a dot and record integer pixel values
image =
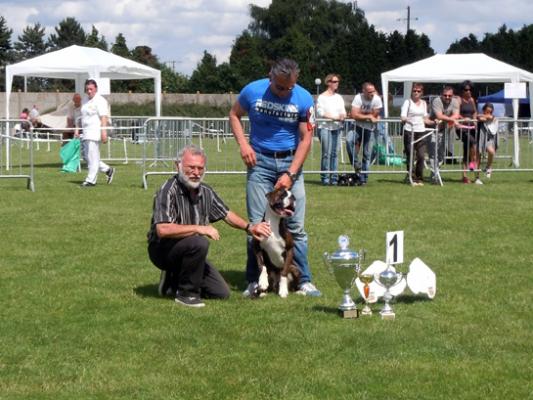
(187, 182)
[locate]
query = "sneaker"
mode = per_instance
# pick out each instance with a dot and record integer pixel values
(189, 301)
(472, 166)
(466, 180)
(308, 289)
(110, 174)
(87, 184)
(488, 173)
(251, 290)
(478, 181)
(165, 284)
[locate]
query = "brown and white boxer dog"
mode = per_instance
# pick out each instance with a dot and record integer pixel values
(275, 253)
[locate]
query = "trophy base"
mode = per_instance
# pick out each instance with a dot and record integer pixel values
(366, 311)
(349, 313)
(388, 316)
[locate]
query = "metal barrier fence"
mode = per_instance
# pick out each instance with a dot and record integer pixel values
(16, 152)
(154, 142)
(385, 149)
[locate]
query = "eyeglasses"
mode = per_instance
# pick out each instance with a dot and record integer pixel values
(333, 82)
(282, 88)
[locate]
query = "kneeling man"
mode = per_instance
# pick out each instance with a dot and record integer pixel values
(184, 209)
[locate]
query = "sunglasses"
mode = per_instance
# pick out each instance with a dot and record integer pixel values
(467, 90)
(283, 88)
(417, 91)
(447, 96)
(333, 81)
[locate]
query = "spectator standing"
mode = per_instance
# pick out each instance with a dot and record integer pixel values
(330, 105)
(73, 116)
(366, 107)
(445, 110)
(414, 115)
(281, 131)
(469, 136)
(94, 116)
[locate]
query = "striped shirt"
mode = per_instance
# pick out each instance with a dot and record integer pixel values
(173, 204)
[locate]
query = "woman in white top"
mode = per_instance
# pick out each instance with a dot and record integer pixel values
(414, 115)
(330, 105)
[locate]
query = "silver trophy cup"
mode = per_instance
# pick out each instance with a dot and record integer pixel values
(388, 278)
(345, 265)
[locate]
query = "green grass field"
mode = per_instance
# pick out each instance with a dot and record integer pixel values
(81, 318)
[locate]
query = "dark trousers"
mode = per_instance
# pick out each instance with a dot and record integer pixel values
(419, 149)
(186, 260)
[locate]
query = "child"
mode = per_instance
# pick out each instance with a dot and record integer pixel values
(488, 130)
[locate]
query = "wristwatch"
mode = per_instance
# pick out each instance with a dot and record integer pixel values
(291, 175)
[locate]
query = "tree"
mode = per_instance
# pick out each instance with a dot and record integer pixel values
(6, 49)
(93, 40)
(68, 32)
(143, 55)
(119, 47)
(323, 36)
(31, 43)
(173, 82)
(205, 77)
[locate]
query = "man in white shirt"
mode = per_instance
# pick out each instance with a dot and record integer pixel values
(94, 117)
(366, 107)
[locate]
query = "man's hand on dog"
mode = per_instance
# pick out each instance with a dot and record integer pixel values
(260, 231)
(284, 182)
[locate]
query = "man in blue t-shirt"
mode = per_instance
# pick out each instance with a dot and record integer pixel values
(281, 131)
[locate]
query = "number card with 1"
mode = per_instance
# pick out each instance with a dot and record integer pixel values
(394, 246)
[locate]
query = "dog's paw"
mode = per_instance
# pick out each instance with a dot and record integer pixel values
(283, 287)
(263, 279)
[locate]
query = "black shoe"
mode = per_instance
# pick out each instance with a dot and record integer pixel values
(87, 184)
(165, 284)
(189, 301)
(110, 174)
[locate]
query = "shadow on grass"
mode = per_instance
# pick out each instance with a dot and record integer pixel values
(150, 290)
(235, 280)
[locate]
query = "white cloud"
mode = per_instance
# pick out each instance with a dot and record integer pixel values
(180, 30)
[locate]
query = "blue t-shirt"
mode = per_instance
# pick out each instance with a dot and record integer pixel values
(274, 120)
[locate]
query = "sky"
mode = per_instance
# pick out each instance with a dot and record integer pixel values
(178, 31)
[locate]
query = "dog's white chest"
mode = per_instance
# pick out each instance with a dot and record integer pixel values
(274, 245)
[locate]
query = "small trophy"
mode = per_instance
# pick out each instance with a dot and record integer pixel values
(367, 280)
(388, 278)
(345, 264)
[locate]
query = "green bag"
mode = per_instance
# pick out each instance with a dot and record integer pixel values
(70, 156)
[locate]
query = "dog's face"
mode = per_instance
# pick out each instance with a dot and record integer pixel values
(282, 202)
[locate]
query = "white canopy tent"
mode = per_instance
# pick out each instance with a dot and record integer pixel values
(453, 68)
(82, 63)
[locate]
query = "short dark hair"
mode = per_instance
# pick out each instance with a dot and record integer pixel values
(91, 82)
(467, 84)
(488, 105)
(285, 67)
